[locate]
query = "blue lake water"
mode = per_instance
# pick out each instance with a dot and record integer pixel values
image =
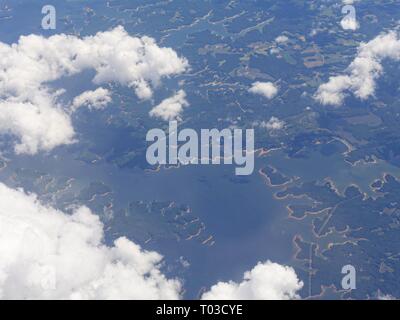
(247, 223)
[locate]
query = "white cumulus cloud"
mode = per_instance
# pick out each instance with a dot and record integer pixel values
(39, 123)
(266, 89)
(273, 124)
(47, 254)
(361, 75)
(281, 39)
(29, 108)
(170, 108)
(96, 99)
(266, 281)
